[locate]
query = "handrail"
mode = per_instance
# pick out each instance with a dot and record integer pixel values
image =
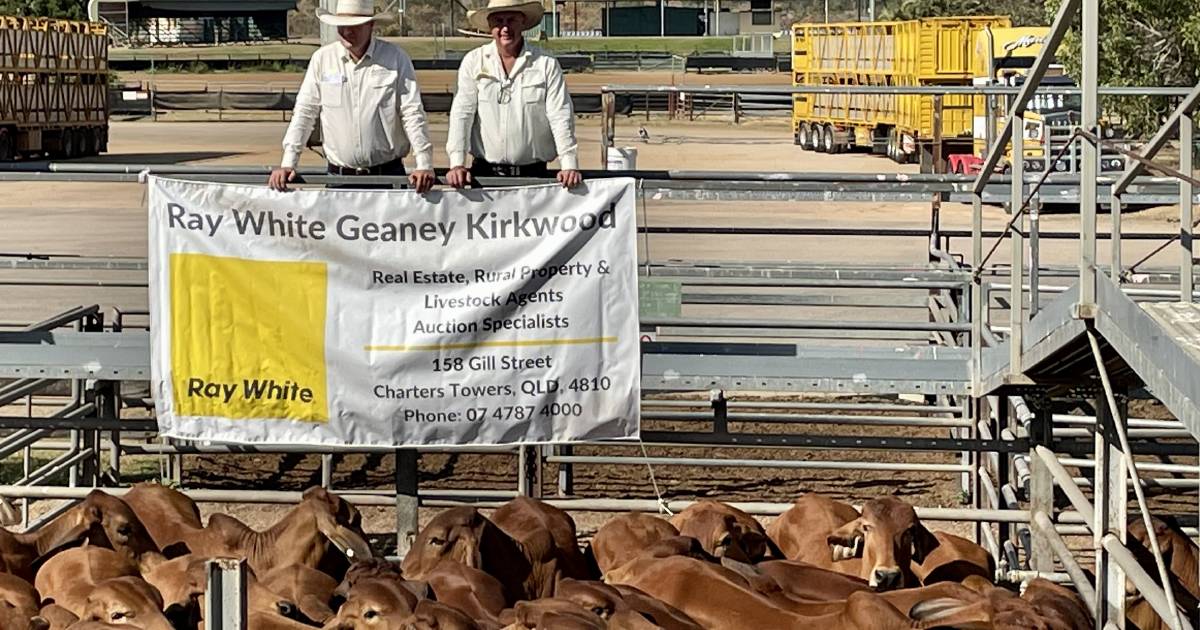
(1165, 131)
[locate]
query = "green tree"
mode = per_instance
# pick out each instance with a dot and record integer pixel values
(1023, 12)
(1142, 43)
(66, 9)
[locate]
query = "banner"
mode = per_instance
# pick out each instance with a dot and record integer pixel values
(388, 318)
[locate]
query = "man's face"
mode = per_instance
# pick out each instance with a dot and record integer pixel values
(507, 26)
(356, 38)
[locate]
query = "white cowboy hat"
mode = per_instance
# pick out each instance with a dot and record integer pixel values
(352, 13)
(532, 9)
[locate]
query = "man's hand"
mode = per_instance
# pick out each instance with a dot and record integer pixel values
(422, 181)
(280, 177)
(458, 177)
(569, 179)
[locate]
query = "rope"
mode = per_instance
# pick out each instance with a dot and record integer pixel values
(663, 508)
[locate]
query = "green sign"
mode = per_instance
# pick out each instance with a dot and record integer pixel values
(659, 298)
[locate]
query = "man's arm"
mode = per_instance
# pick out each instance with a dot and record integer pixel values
(304, 117)
(462, 112)
(412, 115)
(561, 115)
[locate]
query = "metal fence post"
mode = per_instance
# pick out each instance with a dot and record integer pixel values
(225, 597)
(1090, 40)
(1016, 297)
(720, 412)
(608, 123)
(978, 299)
(1041, 485)
(1186, 193)
(566, 472)
(1109, 498)
(406, 500)
(529, 470)
(1115, 240)
(1034, 257)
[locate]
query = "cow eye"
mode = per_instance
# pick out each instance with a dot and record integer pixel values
(370, 614)
(124, 530)
(117, 616)
(866, 528)
(437, 542)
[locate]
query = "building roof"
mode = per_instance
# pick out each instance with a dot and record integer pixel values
(213, 7)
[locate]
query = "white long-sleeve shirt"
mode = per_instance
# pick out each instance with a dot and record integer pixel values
(515, 118)
(370, 110)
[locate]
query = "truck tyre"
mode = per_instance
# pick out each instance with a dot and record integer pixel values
(827, 143)
(68, 146)
(7, 146)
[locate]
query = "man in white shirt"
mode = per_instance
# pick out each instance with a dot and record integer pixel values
(365, 92)
(511, 112)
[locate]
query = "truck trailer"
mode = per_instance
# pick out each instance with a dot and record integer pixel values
(924, 52)
(53, 88)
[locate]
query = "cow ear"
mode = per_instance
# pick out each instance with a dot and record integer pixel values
(846, 534)
(924, 542)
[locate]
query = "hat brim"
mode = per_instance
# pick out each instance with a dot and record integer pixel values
(334, 19)
(533, 12)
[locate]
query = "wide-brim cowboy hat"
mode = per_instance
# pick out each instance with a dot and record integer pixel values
(532, 9)
(353, 13)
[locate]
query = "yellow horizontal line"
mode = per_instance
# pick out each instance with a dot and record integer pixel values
(515, 343)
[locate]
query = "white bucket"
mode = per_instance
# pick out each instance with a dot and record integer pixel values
(622, 159)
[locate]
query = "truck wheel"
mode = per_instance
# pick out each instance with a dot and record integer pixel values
(827, 143)
(68, 149)
(7, 146)
(804, 136)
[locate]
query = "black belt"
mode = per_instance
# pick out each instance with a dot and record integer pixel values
(483, 168)
(395, 167)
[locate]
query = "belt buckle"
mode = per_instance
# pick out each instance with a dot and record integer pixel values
(362, 171)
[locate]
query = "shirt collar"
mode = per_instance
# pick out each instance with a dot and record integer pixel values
(369, 54)
(492, 50)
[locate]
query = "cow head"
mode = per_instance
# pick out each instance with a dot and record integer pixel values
(888, 537)
(375, 603)
(117, 527)
(126, 601)
(431, 615)
(457, 534)
(598, 598)
(1178, 551)
(338, 521)
(721, 533)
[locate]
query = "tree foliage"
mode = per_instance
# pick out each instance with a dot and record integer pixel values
(1142, 43)
(1023, 12)
(66, 9)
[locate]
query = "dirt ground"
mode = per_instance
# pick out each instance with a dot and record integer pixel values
(95, 219)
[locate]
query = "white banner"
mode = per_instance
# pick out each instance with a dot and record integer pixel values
(387, 318)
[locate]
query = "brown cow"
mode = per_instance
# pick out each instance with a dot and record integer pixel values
(431, 615)
(661, 613)
(717, 597)
(311, 590)
(68, 578)
(1044, 606)
(623, 538)
(120, 529)
(464, 535)
(954, 559)
(128, 601)
(300, 537)
(880, 545)
(724, 531)
(551, 613)
(1181, 557)
(20, 595)
(605, 602)
(169, 515)
(547, 535)
(804, 582)
(59, 618)
(375, 603)
(471, 591)
(20, 553)
(13, 619)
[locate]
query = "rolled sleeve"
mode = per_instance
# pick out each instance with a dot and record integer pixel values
(561, 116)
(412, 113)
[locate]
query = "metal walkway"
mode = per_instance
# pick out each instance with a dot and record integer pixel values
(1154, 344)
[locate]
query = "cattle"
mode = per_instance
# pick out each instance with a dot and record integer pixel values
(605, 602)
(1181, 559)
(551, 613)
(20, 554)
(805, 582)
(300, 537)
(879, 545)
(119, 528)
(375, 603)
(623, 538)
(13, 619)
(19, 595)
(431, 615)
(58, 617)
(68, 578)
(126, 601)
(954, 559)
(547, 535)
(660, 613)
(468, 590)
(311, 590)
(167, 513)
(464, 535)
(717, 597)
(1043, 606)
(724, 531)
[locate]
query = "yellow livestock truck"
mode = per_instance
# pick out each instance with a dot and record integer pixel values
(930, 51)
(53, 88)
(1003, 56)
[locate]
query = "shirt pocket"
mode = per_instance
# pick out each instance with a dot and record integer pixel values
(488, 89)
(382, 87)
(331, 92)
(533, 88)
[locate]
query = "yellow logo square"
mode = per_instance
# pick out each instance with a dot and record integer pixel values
(248, 338)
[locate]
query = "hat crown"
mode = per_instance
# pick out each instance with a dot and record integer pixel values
(355, 7)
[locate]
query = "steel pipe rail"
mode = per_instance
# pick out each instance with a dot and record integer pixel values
(1165, 131)
(1045, 527)
(980, 90)
(785, 324)
(756, 463)
(738, 416)
(1159, 599)
(1066, 481)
